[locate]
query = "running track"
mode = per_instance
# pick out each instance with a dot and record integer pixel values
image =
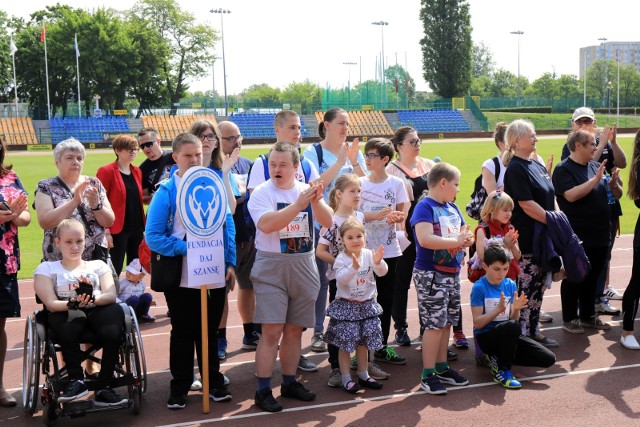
(594, 382)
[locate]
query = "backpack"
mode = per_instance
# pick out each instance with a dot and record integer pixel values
(479, 194)
(306, 169)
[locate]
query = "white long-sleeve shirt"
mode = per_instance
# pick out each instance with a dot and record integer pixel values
(359, 285)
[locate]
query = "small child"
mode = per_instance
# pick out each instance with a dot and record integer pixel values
(355, 323)
(132, 292)
(495, 306)
(495, 225)
(441, 236)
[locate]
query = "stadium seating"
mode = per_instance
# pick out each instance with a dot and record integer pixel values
(364, 123)
(86, 129)
(18, 131)
(255, 125)
(171, 126)
(434, 120)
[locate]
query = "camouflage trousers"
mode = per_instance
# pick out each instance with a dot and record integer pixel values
(438, 298)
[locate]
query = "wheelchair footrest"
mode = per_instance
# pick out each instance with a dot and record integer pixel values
(92, 385)
(80, 408)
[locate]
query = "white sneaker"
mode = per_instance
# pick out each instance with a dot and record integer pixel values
(605, 308)
(226, 380)
(196, 385)
(611, 293)
(629, 342)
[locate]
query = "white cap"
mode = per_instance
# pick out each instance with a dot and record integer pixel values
(135, 267)
(583, 112)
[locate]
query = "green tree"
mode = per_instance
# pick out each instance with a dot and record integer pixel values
(569, 86)
(306, 93)
(191, 44)
(406, 86)
(261, 94)
(446, 46)
(480, 86)
(503, 83)
(545, 86)
(483, 64)
(6, 74)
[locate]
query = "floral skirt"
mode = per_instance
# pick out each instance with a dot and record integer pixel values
(353, 324)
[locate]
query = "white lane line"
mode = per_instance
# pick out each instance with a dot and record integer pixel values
(400, 395)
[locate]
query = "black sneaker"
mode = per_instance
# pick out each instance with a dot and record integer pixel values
(452, 377)
(402, 337)
(295, 390)
(177, 401)
(74, 390)
(265, 401)
(108, 397)
(451, 355)
(220, 394)
(432, 385)
(389, 355)
(250, 342)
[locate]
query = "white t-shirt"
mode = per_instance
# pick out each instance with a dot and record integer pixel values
(359, 285)
(257, 173)
(375, 197)
(298, 235)
(490, 166)
(63, 279)
(331, 238)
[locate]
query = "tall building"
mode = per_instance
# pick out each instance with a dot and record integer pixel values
(624, 52)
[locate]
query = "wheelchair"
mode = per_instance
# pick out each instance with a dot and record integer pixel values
(40, 358)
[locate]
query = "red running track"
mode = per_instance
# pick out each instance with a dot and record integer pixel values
(594, 382)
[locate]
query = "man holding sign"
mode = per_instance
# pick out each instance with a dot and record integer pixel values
(189, 217)
(284, 275)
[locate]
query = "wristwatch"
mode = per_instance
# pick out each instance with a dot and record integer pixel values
(97, 207)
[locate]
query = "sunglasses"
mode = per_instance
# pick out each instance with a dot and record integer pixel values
(146, 145)
(584, 121)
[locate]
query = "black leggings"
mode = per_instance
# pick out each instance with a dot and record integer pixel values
(583, 294)
(106, 323)
(507, 343)
(404, 269)
(384, 286)
(126, 242)
(632, 293)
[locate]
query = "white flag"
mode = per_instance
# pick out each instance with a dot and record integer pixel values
(75, 45)
(12, 47)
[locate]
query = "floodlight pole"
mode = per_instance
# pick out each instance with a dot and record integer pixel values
(384, 89)
(349, 64)
(604, 77)
(518, 33)
(224, 62)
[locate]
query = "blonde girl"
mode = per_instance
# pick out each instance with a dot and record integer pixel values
(354, 313)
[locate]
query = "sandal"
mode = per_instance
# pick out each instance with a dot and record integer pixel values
(351, 387)
(370, 383)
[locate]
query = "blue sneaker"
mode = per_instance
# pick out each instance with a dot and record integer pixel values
(506, 379)
(432, 385)
(222, 348)
(250, 342)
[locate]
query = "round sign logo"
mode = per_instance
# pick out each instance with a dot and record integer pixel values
(202, 201)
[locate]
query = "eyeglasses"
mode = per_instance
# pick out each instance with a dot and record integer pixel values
(209, 137)
(233, 139)
(372, 155)
(134, 150)
(414, 142)
(584, 121)
(146, 145)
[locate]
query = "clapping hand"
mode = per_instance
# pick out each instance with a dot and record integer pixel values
(395, 217)
(230, 160)
(465, 237)
(378, 255)
(511, 238)
(502, 305)
(353, 150)
(356, 262)
(519, 302)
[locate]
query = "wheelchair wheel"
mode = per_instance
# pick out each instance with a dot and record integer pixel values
(31, 366)
(139, 361)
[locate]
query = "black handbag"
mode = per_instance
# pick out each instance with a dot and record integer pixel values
(166, 272)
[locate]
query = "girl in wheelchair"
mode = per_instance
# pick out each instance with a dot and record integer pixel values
(80, 296)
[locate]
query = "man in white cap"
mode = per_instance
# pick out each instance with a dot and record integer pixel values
(584, 118)
(132, 292)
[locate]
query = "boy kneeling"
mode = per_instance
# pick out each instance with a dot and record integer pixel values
(495, 306)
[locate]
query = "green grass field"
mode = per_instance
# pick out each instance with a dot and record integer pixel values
(545, 121)
(468, 156)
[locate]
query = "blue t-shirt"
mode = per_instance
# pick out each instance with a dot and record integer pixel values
(447, 220)
(240, 173)
(487, 296)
